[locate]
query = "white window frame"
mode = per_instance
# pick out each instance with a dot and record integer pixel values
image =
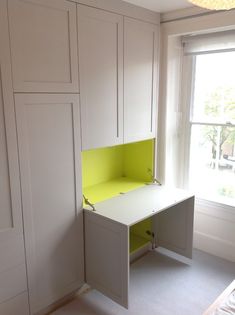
(188, 78)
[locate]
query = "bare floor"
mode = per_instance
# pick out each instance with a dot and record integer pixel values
(163, 285)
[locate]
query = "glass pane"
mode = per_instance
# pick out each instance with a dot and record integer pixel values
(214, 90)
(212, 163)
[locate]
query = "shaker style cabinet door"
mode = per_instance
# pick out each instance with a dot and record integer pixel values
(43, 45)
(13, 280)
(140, 79)
(100, 41)
(174, 228)
(49, 149)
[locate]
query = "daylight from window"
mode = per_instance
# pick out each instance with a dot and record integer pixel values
(212, 150)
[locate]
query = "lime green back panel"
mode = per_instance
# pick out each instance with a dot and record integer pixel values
(101, 165)
(141, 228)
(134, 160)
(138, 160)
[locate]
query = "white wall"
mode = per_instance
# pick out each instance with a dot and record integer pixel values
(214, 223)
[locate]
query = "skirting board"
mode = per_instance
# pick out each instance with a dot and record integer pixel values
(214, 246)
(65, 300)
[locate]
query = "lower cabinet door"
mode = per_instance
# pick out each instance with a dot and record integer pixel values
(107, 257)
(49, 146)
(173, 228)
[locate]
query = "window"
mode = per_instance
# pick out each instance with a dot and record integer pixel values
(211, 124)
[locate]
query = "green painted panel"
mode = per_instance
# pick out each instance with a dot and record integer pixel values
(138, 160)
(101, 165)
(141, 228)
(136, 242)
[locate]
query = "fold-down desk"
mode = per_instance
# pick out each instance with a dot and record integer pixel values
(107, 233)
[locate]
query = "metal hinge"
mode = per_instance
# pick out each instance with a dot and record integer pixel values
(88, 203)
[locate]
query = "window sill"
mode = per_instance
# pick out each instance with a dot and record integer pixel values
(215, 209)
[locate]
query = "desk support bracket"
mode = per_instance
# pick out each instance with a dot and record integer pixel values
(88, 203)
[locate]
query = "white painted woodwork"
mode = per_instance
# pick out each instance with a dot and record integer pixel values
(12, 282)
(107, 257)
(214, 222)
(12, 259)
(141, 44)
(43, 45)
(100, 40)
(49, 149)
(15, 306)
(107, 233)
(123, 8)
(174, 228)
(139, 204)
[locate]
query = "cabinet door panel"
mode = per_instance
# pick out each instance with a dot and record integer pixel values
(107, 257)
(174, 228)
(140, 79)
(100, 38)
(44, 45)
(12, 259)
(48, 136)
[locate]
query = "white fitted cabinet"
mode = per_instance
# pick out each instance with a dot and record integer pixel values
(43, 45)
(141, 45)
(118, 62)
(100, 41)
(13, 280)
(49, 150)
(107, 234)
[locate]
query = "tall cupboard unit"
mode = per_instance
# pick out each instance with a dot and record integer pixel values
(13, 283)
(83, 78)
(43, 36)
(49, 153)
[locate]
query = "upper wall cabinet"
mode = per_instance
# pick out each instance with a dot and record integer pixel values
(43, 45)
(140, 79)
(100, 40)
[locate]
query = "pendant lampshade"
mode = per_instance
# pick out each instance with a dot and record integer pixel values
(214, 4)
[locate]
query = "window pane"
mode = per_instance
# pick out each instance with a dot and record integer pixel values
(214, 89)
(212, 163)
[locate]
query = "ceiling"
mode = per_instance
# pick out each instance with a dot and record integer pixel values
(162, 5)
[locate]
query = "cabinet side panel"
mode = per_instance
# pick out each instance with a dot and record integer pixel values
(107, 257)
(174, 228)
(5, 197)
(12, 256)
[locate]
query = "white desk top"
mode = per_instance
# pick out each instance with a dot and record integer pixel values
(140, 204)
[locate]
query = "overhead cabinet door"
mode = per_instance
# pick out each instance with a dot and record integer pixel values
(140, 79)
(49, 144)
(44, 45)
(100, 40)
(13, 280)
